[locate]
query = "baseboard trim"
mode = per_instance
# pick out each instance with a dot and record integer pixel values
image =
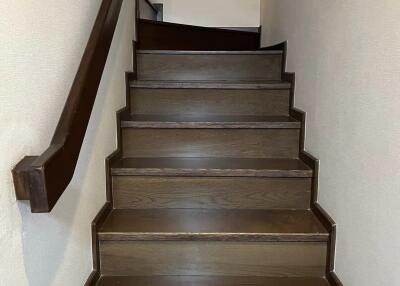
(333, 279)
(107, 208)
(97, 222)
(93, 278)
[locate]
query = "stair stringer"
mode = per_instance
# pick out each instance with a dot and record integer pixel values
(313, 163)
(108, 206)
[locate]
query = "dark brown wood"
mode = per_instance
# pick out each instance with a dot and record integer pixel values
(212, 66)
(215, 225)
(97, 222)
(210, 102)
(211, 193)
(211, 281)
(19, 177)
(216, 143)
(250, 84)
(50, 173)
(169, 36)
(213, 258)
(217, 167)
(209, 216)
(209, 122)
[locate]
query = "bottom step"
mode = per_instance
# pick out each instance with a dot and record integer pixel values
(209, 281)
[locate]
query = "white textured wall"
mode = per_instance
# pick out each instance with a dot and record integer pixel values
(346, 55)
(41, 47)
(212, 13)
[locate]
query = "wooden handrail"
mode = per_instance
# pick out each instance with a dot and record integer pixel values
(43, 179)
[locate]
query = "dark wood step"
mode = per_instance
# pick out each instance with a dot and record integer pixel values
(213, 84)
(215, 225)
(212, 258)
(210, 122)
(209, 102)
(210, 281)
(218, 167)
(195, 66)
(213, 242)
(136, 192)
(171, 36)
(218, 143)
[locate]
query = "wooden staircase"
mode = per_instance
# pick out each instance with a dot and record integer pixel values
(210, 186)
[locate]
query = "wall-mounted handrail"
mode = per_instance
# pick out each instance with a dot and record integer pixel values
(43, 179)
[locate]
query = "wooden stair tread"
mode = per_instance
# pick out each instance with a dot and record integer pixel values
(244, 84)
(209, 121)
(210, 281)
(265, 167)
(217, 224)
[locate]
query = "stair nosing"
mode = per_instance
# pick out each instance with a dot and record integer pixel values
(185, 172)
(211, 170)
(209, 125)
(187, 236)
(278, 85)
(186, 52)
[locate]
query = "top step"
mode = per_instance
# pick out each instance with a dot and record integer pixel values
(171, 36)
(209, 65)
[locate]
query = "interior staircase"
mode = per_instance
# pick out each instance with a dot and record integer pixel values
(210, 185)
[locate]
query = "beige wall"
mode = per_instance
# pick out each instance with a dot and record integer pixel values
(347, 63)
(212, 13)
(41, 46)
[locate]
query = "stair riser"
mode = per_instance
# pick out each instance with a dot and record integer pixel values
(210, 102)
(209, 67)
(172, 37)
(234, 143)
(210, 193)
(213, 258)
